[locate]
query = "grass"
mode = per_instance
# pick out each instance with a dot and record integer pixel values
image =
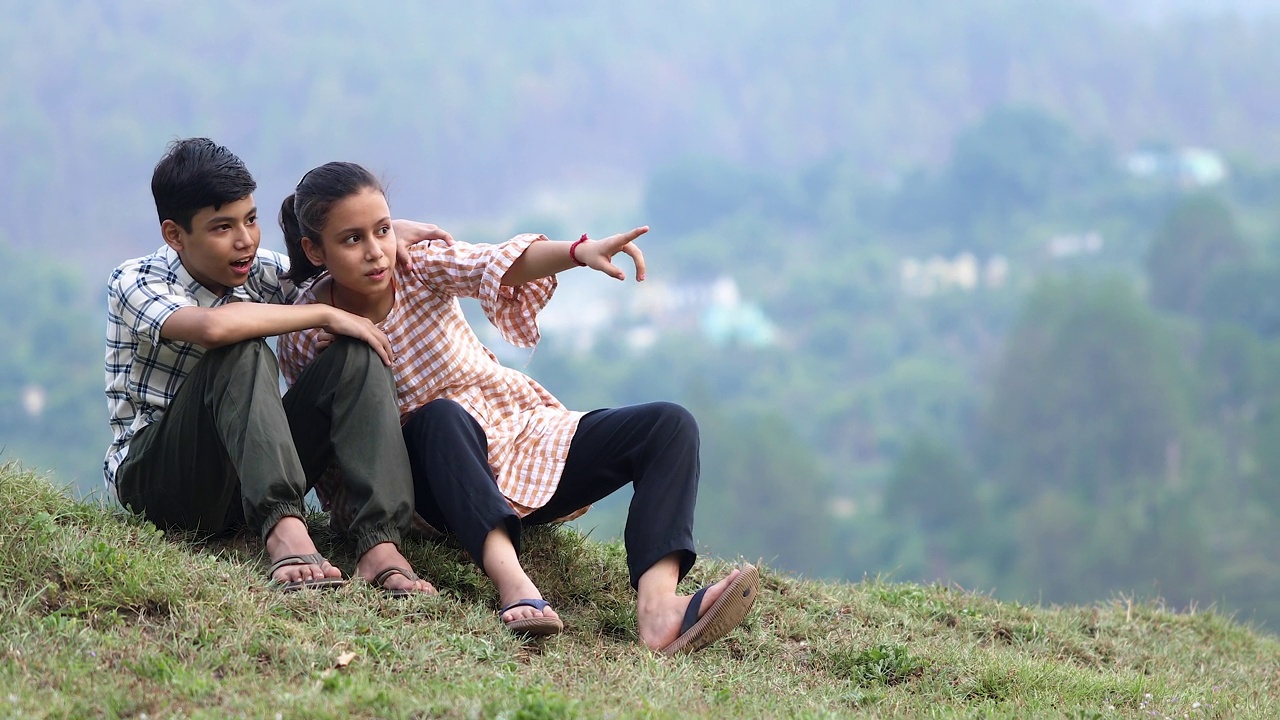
(103, 616)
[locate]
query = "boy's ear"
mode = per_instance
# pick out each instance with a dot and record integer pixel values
(173, 235)
(314, 253)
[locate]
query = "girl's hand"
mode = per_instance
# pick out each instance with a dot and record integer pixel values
(598, 254)
(409, 232)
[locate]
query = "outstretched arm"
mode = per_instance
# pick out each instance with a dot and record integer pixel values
(548, 258)
(239, 321)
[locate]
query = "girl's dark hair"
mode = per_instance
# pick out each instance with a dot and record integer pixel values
(306, 211)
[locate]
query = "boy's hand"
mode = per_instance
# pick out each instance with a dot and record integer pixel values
(360, 328)
(598, 254)
(409, 232)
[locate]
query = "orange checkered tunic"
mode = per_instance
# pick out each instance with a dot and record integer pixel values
(439, 356)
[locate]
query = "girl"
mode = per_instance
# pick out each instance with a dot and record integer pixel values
(491, 449)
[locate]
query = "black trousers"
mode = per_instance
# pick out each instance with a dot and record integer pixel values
(229, 450)
(652, 446)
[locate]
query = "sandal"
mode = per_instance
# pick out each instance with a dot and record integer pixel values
(317, 559)
(699, 630)
(380, 581)
(542, 626)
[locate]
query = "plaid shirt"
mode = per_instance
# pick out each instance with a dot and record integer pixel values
(439, 356)
(145, 371)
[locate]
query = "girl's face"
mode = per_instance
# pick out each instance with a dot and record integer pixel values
(357, 243)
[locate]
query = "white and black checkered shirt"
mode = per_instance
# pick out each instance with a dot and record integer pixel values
(144, 371)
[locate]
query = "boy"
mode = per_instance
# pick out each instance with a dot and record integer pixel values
(203, 440)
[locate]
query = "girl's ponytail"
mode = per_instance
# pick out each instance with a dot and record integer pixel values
(300, 267)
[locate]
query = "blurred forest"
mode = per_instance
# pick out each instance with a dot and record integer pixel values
(976, 292)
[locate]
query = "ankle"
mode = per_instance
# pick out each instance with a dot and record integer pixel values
(288, 534)
(381, 553)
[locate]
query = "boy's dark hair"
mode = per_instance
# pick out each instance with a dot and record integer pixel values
(306, 211)
(196, 173)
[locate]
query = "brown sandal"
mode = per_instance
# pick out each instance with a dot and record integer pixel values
(317, 559)
(380, 581)
(701, 628)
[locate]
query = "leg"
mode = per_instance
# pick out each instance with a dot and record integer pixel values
(655, 447)
(225, 436)
(454, 488)
(343, 409)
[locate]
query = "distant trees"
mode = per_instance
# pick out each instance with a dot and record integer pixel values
(1198, 237)
(52, 410)
(1015, 162)
(1243, 293)
(1089, 397)
(933, 489)
(765, 493)
(1062, 436)
(695, 193)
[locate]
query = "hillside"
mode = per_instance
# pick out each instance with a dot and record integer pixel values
(102, 616)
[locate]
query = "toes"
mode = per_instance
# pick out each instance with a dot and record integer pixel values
(401, 582)
(296, 570)
(525, 612)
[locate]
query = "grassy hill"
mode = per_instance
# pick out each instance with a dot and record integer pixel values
(103, 616)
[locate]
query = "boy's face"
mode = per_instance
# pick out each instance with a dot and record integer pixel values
(219, 250)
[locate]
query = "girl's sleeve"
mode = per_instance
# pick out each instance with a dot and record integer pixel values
(475, 271)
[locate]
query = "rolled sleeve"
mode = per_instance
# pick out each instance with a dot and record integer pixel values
(476, 271)
(145, 303)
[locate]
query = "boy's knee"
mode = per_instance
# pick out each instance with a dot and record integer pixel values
(241, 359)
(251, 351)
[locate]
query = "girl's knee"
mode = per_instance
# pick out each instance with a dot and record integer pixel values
(674, 416)
(439, 413)
(442, 408)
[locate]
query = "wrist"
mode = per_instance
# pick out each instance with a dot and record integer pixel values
(328, 315)
(573, 250)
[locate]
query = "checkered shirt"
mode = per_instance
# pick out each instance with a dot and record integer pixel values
(145, 371)
(439, 356)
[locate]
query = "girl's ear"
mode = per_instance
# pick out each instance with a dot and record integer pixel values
(314, 252)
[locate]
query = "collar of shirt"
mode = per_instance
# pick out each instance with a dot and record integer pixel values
(204, 296)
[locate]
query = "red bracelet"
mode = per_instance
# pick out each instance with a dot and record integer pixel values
(573, 251)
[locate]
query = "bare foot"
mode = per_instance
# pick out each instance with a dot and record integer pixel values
(387, 555)
(513, 584)
(290, 537)
(659, 620)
